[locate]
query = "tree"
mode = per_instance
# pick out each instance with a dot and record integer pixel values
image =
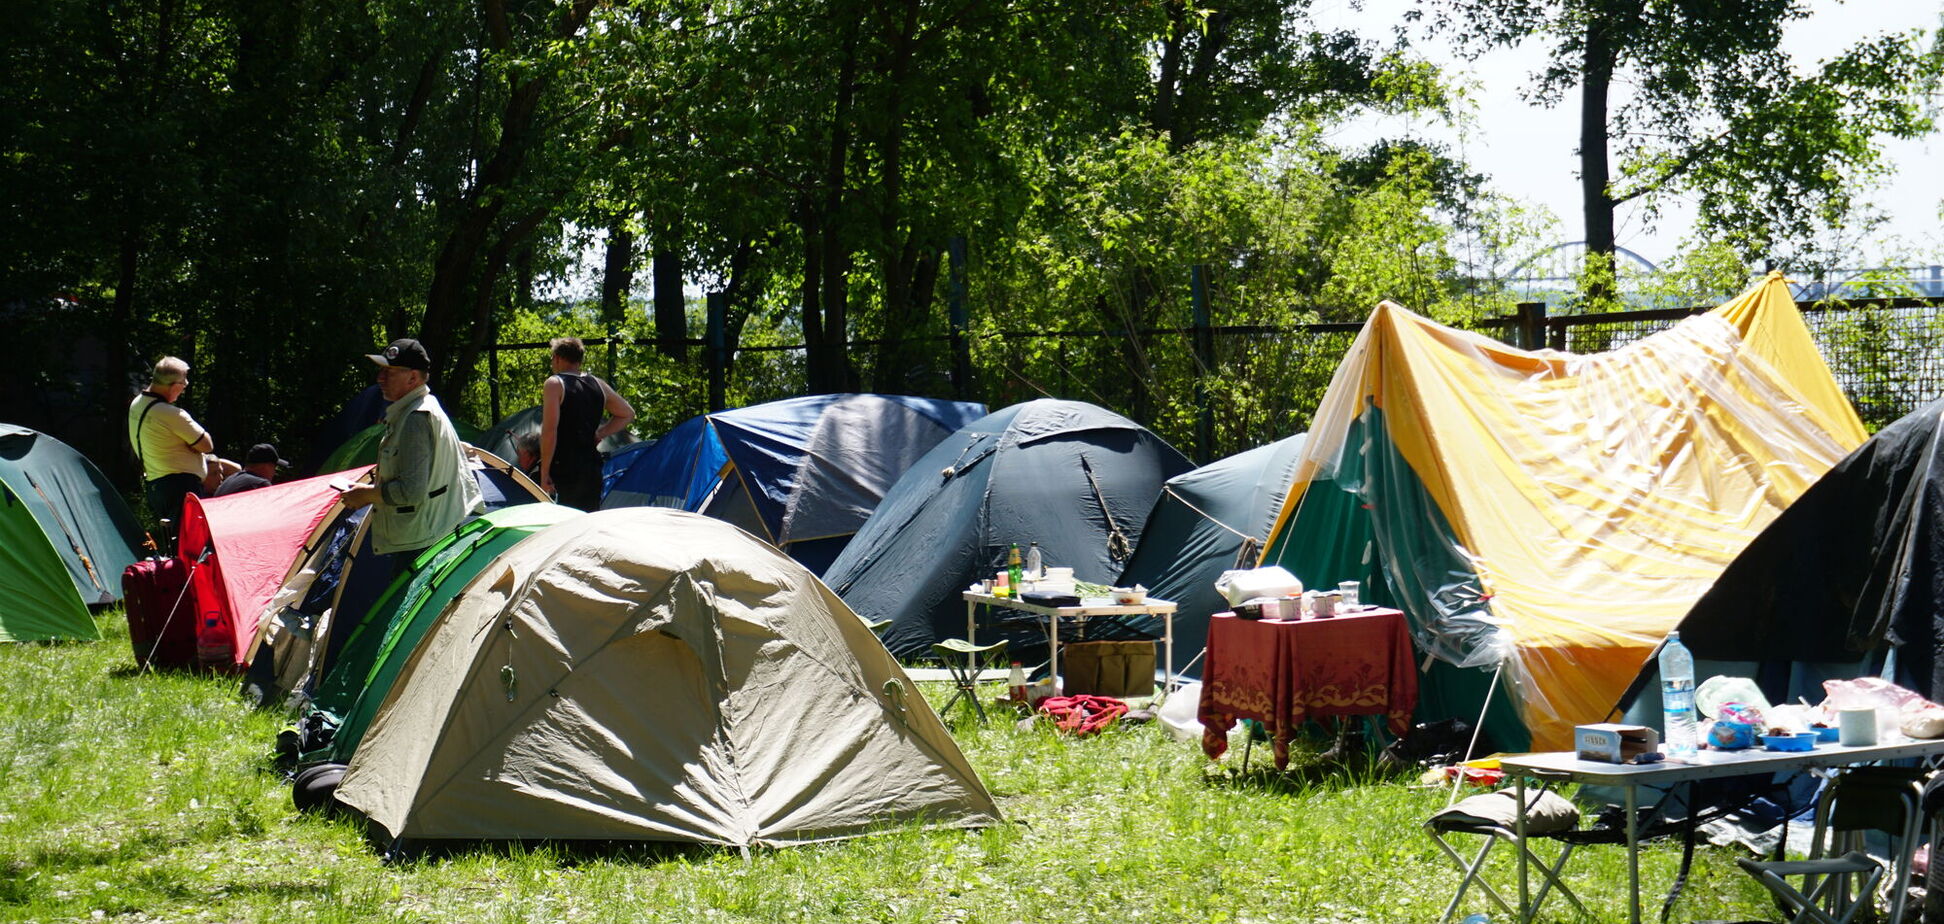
(1715, 109)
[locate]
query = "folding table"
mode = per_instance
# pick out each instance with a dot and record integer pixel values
(1086, 610)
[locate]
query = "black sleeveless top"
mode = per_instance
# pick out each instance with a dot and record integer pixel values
(580, 416)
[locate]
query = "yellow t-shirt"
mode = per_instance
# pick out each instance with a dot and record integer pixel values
(166, 435)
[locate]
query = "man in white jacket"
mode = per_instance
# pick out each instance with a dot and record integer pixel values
(424, 486)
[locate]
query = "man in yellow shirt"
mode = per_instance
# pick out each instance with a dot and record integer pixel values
(174, 450)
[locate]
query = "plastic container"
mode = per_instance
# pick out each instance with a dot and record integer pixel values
(1679, 736)
(1731, 736)
(1827, 734)
(1804, 741)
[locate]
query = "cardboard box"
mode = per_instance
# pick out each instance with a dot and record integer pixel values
(1613, 743)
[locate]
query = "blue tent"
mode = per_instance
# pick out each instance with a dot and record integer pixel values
(802, 473)
(1077, 479)
(1205, 522)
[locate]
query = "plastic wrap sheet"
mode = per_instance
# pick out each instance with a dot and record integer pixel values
(1560, 512)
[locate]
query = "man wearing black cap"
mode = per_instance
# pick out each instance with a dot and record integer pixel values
(423, 487)
(259, 469)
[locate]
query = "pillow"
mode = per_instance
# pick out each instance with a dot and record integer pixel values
(1547, 812)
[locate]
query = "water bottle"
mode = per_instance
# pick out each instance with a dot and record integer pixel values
(1677, 698)
(1033, 570)
(1017, 681)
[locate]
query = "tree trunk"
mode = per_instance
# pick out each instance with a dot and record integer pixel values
(671, 305)
(617, 276)
(1595, 171)
(826, 327)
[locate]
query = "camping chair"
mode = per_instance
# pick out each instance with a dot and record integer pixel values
(963, 660)
(1492, 816)
(1835, 888)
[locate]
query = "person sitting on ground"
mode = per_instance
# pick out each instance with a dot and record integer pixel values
(259, 470)
(571, 429)
(175, 452)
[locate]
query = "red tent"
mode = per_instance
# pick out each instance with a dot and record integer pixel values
(247, 543)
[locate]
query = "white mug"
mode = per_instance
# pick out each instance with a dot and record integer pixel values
(1856, 727)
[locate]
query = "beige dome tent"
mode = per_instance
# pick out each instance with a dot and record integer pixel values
(649, 674)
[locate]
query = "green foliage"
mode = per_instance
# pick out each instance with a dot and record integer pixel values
(136, 797)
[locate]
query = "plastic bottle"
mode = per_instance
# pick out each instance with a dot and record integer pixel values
(1034, 571)
(1018, 683)
(1014, 571)
(1680, 737)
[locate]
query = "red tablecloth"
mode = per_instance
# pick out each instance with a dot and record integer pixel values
(1282, 672)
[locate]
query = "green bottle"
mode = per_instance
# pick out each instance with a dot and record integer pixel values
(1013, 571)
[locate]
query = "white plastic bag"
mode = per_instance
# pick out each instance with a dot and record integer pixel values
(1178, 713)
(1273, 581)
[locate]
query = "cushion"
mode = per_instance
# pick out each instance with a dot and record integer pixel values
(1547, 812)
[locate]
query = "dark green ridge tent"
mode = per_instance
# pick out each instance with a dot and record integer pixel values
(380, 643)
(1213, 519)
(1852, 569)
(502, 439)
(1076, 478)
(65, 537)
(362, 447)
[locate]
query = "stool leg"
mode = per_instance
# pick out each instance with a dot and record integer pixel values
(972, 688)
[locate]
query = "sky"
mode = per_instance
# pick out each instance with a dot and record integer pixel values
(1528, 151)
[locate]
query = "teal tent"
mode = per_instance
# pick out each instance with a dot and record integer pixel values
(1205, 522)
(65, 537)
(502, 439)
(362, 447)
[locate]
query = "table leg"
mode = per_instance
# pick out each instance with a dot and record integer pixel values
(971, 621)
(1053, 651)
(1633, 854)
(1519, 831)
(1167, 671)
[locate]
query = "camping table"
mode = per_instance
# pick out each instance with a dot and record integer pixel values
(1153, 607)
(1707, 764)
(1283, 671)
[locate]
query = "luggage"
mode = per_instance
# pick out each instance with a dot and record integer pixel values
(153, 588)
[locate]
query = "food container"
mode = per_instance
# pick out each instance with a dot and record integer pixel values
(1826, 734)
(1130, 596)
(1731, 736)
(1804, 741)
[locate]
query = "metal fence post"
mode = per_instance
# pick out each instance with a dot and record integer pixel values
(1204, 363)
(718, 360)
(955, 304)
(1532, 325)
(493, 376)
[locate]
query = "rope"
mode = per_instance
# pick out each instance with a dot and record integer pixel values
(1245, 537)
(1118, 547)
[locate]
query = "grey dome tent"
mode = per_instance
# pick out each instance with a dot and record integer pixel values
(651, 674)
(503, 439)
(1076, 478)
(65, 537)
(1210, 520)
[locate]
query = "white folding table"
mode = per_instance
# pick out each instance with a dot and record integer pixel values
(1086, 610)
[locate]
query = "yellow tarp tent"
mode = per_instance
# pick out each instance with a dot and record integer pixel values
(1553, 513)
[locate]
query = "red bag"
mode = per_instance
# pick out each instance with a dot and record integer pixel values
(161, 618)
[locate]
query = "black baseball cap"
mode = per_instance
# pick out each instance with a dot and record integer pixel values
(264, 452)
(405, 354)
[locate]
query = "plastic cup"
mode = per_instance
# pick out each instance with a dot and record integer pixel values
(1856, 727)
(1347, 595)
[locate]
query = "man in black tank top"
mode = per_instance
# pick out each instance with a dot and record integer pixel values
(571, 429)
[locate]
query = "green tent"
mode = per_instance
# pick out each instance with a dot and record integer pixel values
(382, 641)
(362, 447)
(65, 536)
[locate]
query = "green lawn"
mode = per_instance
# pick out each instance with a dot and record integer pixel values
(146, 798)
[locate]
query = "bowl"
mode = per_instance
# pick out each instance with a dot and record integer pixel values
(1731, 736)
(1799, 742)
(1826, 734)
(1129, 596)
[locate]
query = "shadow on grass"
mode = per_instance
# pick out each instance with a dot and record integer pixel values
(69, 859)
(565, 853)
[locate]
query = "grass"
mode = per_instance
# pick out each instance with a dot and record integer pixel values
(149, 798)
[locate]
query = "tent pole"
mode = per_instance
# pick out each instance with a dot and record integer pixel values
(1477, 729)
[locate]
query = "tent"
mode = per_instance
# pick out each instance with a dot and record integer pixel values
(377, 645)
(803, 473)
(336, 577)
(1075, 478)
(362, 411)
(647, 674)
(362, 447)
(240, 549)
(1205, 522)
(1554, 514)
(502, 439)
(1853, 567)
(65, 537)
